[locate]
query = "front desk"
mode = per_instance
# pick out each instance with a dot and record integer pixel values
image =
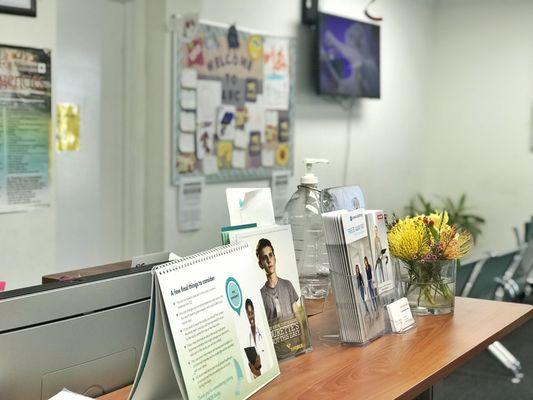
(395, 366)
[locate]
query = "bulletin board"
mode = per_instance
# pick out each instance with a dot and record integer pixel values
(232, 103)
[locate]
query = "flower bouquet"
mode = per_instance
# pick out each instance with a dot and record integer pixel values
(428, 249)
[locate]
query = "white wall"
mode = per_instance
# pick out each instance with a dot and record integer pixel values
(90, 71)
(479, 122)
(454, 117)
(27, 248)
(383, 132)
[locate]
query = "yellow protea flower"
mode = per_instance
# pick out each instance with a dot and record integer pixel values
(440, 220)
(408, 239)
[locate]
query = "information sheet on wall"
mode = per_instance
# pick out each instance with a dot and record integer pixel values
(25, 114)
(232, 103)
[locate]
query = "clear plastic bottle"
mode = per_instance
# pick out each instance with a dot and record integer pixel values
(302, 212)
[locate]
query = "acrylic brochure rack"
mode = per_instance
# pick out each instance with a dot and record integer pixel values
(363, 281)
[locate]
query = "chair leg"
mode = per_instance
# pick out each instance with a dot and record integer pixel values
(504, 356)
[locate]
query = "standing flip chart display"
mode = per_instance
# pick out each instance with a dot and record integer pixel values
(207, 330)
(232, 103)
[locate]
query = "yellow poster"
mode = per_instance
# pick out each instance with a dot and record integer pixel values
(68, 127)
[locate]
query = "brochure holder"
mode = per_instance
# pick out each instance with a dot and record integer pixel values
(363, 275)
(360, 314)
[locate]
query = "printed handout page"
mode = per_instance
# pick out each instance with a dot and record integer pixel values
(190, 203)
(280, 191)
(277, 279)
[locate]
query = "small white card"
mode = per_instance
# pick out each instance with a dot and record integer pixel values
(241, 139)
(210, 165)
(190, 203)
(186, 142)
(268, 157)
(189, 77)
(188, 99)
(239, 158)
(400, 315)
(271, 118)
(187, 121)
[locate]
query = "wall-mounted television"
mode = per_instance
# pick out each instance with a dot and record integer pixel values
(348, 57)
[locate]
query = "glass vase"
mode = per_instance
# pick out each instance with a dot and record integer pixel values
(429, 286)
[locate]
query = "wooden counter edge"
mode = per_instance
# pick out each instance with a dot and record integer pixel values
(478, 349)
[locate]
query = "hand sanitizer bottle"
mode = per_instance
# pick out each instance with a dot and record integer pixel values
(302, 212)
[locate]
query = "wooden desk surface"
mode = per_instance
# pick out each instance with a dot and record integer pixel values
(393, 366)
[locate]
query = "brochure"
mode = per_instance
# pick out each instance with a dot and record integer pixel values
(379, 245)
(276, 276)
(359, 307)
(205, 316)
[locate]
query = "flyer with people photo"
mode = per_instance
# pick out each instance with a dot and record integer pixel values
(277, 280)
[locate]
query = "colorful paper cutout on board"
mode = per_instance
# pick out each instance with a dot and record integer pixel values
(282, 155)
(185, 162)
(224, 153)
(283, 126)
(205, 139)
(241, 117)
(255, 47)
(276, 86)
(226, 122)
(195, 52)
(252, 89)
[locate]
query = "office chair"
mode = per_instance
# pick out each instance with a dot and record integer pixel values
(528, 232)
(464, 274)
(486, 281)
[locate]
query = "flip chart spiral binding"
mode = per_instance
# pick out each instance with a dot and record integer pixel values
(199, 257)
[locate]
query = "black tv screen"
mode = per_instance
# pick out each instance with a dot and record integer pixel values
(348, 53)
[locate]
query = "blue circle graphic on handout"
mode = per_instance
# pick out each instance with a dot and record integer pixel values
(234, 294)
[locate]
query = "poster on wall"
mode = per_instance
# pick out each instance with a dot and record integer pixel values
(232, 106)
(25, 115)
